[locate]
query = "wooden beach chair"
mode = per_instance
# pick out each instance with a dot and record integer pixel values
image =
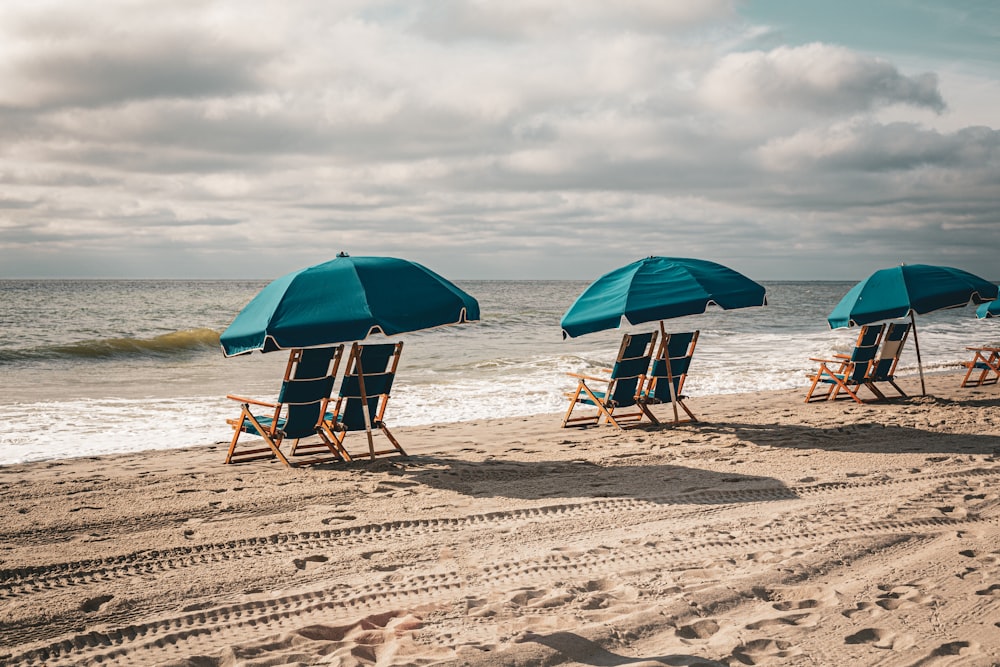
(986, 360)
(298, 412)
(883, 369)
(846, 372)
(620, 388)
(667, 375)
(364, 394)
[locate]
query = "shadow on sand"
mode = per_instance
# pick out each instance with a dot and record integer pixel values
(573, 648)
(864, 437)
(534, 480)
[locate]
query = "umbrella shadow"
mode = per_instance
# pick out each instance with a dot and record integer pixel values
(536, 480)
(866, 437)
(575, 648)
(977, 402)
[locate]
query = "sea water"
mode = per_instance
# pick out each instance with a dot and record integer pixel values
(106, 366)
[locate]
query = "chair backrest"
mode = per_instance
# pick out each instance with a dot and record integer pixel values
(893, 341)
(631, 368)
(367, 383)
(671, 364)
(306, 389)
(864, 352)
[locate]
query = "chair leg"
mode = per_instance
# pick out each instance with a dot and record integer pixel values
(335, 444)
(810, 394)
(649, 413)
(391, 437)
(685, 408)
(273, 445)
(879, 396)
(237, 432)
(835, 385)
(575, 400)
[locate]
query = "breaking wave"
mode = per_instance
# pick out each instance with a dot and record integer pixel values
(165, 345)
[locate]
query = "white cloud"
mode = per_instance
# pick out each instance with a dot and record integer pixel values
(819, 78)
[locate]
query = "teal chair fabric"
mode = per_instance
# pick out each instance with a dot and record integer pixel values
(364, 394)
(985, 360)
(620, 388)
(883, 369)
(298, 412)
(847, 373)
(668, 373)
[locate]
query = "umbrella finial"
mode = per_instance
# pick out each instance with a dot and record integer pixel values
(342, 254)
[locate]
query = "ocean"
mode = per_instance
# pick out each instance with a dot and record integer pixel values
(92, 367)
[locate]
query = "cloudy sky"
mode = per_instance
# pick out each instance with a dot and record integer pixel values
(795, 139)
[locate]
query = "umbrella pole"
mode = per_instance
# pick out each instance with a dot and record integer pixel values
(920, 365)
(670, 374)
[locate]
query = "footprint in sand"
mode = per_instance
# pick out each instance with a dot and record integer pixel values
(880, 638)
(900, 597)
(702, 629)
(957, 648)
(800, 620)
(864, 609)
(953, 512)
(93, 604)
(792, 605)
(309, 561)
(992, 590)
(757, 650)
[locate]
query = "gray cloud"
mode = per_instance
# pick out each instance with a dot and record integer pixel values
(816, 77)
(484, 139)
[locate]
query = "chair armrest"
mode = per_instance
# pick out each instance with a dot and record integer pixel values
(830, 361)
(252, 401)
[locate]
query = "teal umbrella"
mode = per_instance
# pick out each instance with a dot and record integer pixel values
(901, 291)
(346, 299)
(659, 288)
(989, 309)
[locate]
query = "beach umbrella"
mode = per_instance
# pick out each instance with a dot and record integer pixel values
(346, 299)
(989, 309)
(657, 289)
(909, 289)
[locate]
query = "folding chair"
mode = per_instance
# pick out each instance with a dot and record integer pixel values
(846, 371)
(986, 360)
(298, 413)
(364, 394)
(667, 375)
(622, 385)
(883, 369)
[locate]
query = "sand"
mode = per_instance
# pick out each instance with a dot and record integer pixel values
(773, 532)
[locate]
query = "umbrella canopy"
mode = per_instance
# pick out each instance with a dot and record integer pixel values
(901, 291)
(989, 309)
(346, 299)
(659, 288)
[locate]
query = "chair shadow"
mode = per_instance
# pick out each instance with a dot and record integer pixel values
(865, 437)
(575, 648)
(535, 480)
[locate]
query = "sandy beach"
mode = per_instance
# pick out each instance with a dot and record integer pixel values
(772, 532)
